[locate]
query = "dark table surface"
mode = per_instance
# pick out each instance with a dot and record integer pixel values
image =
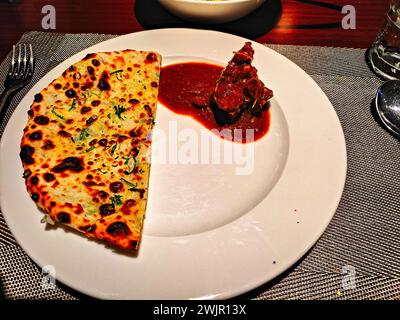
(305, 22)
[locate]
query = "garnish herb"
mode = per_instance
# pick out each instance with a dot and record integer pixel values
(126, 160)
(119, 110)
(56, 114)
(136, 190)
(83, 135)
(96, 94)
(87, 93)
(46, 219)
(73, 105)
(131, 163)
(118, 74)
(128, 183)
(116, 71)
(91, 148)
(116, 200)
(114, 148)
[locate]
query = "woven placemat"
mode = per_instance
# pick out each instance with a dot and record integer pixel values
(364, 235)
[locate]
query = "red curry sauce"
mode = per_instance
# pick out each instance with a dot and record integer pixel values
(182, 85)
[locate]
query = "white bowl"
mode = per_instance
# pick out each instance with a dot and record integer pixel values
(217, 11)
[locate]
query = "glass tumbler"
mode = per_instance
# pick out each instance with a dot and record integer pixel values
(384, 54)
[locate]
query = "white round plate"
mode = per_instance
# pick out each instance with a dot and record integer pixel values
(212, 230)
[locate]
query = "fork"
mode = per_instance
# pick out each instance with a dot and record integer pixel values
(18, 76)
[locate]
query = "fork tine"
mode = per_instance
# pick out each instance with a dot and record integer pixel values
(22, 63)
(30, 59)
(24, 68)
(18, 61)
(12, 62)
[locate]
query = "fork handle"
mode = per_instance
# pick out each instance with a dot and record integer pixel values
(4, 99)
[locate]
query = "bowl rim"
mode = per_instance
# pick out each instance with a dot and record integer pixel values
(219, 2)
